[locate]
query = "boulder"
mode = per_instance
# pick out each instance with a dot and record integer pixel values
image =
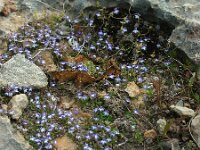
(11, 139)
(21, 72)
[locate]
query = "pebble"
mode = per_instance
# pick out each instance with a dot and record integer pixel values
(183, 111)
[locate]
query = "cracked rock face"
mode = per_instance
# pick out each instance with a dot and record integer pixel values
(9, 138)
(21, 72)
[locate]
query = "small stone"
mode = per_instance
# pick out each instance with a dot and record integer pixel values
(183, 111)
(66, 102)
(195, 128)
(150, 134)
(132, 89)
(85, 115)
(180, 103)
(49, 65)
(136, 94)
(65, 143)
(172, 144)
(101, 94)
(17, 104)
(161, 123)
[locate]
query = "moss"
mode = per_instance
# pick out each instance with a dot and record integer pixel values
(90, 66)
(49, 18)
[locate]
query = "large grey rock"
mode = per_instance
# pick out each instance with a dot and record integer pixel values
(22, 72)
(11, 139)
(195, 126)
(184, 15)
(18, 103)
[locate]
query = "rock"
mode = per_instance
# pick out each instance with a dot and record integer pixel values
(136, 94)
(183, 111)
(2, 4)
(11, 23)
(4, 108)
(195, 128)
(65, 143)
(66, 102)
(11, 139)
(18, 103)
(9, 7)
(150, 134)
(132, 89)
(161, 123)
(21, 72)
(49, 65)
(180, 103)
(184, 16)
(185, 37)
(172, 144)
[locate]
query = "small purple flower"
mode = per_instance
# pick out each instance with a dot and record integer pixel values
(140, 79)
(129, 67)
(158, 45)
(136, 112)
(107, 97)
(144, 48)
(98, 14)
(116, 11)
(109, 46)
(92, 47)
(88, 137)
(93, 95)
(117, 79)
(100, 33)
(137, 16)
(96, 137)
(91, 22)
(103, 142)
(124, 29)
(106, 113)
(111, 76)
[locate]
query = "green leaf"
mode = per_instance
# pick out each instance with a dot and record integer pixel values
(196, 97)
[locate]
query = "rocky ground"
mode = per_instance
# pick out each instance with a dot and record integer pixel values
(108, 80)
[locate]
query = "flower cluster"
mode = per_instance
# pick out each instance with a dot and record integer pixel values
(112, 33)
